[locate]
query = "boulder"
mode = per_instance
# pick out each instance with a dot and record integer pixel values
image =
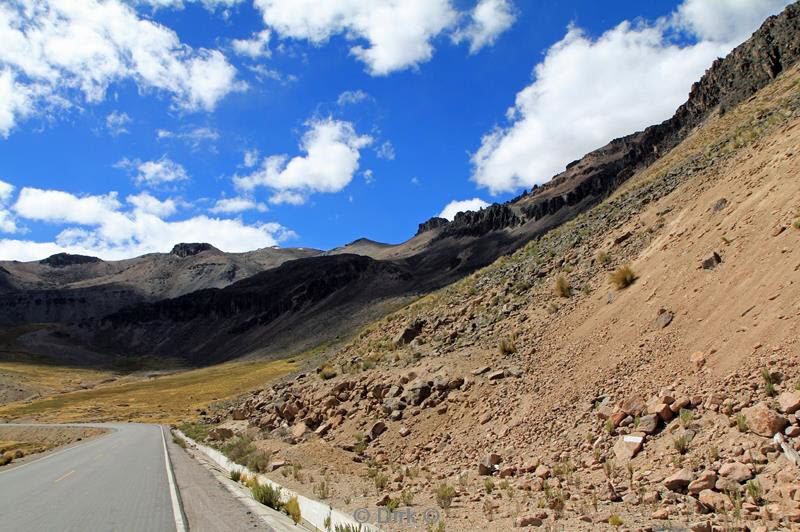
(663, 318)
(377, 429)
(628, 446)
(220, 433)
(679, 481)
(789, 402)
(714, 501)
(299, 430)
(763, 421)
(736, 471)
(698, 359)
(410, 332)
(488, 464)
(633, 406)
(416, 391)
(711, 261)
(705, 481)
(649, 423)
(527, 521)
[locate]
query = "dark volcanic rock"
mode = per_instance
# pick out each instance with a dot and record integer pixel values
(189, 249)
(477, 223)
(431, 224)
(59, 260)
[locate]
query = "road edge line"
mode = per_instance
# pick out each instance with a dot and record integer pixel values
(177, 511)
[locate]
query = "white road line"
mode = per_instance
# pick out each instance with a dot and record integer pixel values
(180, 524)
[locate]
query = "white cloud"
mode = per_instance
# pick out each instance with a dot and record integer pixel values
(116, 122)
(488, 20)
(386, 151)
(164, 170)
(398, 35)
(211, 5)
(455, 207)
(250, 158)
(255, 47)
(332, 150)
(61, 53)
(194, 137)
(351, 97)
(148, 204)
(237, 205)
(588, 91)
(7, 222)
(369, 177)
(98, 225)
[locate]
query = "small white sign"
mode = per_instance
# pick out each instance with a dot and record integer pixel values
(633, 439)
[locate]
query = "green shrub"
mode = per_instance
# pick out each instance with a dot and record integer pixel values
(488, 485)
(238, 449)
(292, 508)
(236, 475)
(258, 461)
(444, 496)
(393, 504)
(180, 442)
(381, 481)
(741, 422)
(603, 257)
(267, 495)
(615, 520)
(769, 385)
(796, 223)
(681, 444)
(407, 496)
(622, 277)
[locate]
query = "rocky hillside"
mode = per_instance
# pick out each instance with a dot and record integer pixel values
(636, 366)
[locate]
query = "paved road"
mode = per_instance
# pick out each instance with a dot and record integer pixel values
(117, 482)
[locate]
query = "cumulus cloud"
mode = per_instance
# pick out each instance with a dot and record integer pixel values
(101, 225)
(237, 205)
(149, 204)
(588, 91)
(59, 54)
(454, 207)
(390, 35)
(211, 5)
(488, 20)
(163, 170)
(250, 158)
(116, 122)
(254, 47)
(332, 153)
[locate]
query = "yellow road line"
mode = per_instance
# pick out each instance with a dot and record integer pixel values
(59, 479)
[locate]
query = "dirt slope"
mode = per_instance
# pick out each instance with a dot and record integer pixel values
(501, 377)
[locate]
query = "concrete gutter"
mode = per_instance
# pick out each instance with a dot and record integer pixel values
(314, 512)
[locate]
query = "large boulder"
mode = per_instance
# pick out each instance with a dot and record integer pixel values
(628, 446)
(679, 481)
(789, 402)
(763, 420)
(408, 333)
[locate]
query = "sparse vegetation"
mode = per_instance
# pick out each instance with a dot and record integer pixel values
(236, 475)
(507, 347)
(686, 418)
(622, 277)
(796, 223)
(177, 440)
(267, 495)
(381, 481)
(322, 490)
(562, 287)
(488, 485)
(741, 422)
(407, 496)
(615, 521)
(327, 372)
(292, 509)
(754, 491)
(603, 257)
(393, 504)
(444, 496)
(769, 384)
(681, 444)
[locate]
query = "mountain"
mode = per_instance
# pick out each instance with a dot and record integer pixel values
(205, 305)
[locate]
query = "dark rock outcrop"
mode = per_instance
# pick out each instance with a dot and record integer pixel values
(477, 223)
(60, 260)
(432, 224)
(188, 249)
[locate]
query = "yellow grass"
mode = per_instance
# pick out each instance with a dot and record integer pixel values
(162, 399)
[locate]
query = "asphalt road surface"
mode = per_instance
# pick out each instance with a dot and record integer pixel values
(116, 482)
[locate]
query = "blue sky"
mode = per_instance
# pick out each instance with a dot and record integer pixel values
(126, 127)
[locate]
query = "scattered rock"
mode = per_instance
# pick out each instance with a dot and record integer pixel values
(789, 402)
(663, 319)
(698, 359)
(377, 429)
(628, 446)
(679, 481)
(710, 262)
(219, 434)
(705, 481)
(763, 421)
(736, 471)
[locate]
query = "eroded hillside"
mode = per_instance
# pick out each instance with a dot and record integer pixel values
(543, 393)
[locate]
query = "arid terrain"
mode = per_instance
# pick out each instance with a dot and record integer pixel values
(617, 348)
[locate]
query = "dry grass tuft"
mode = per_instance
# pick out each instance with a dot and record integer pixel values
(562, 287)
(622, 277)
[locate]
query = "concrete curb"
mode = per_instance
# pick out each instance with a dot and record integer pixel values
(177, 510)
(314, 512)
